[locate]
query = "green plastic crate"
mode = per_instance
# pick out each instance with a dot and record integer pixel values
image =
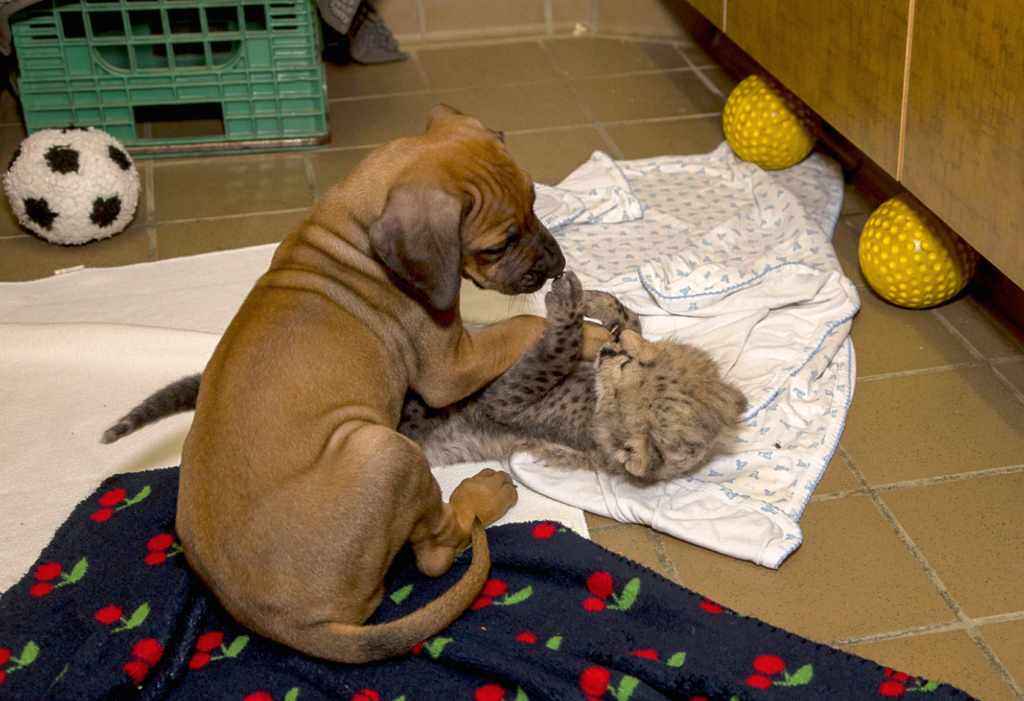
(167, 76)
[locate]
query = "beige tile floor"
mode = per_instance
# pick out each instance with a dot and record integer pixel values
(913, 549)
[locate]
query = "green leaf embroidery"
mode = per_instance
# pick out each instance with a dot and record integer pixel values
(518, 597)
(400, 698)
(435, 646)
(143, 493)
(554, 643)
(626, 688)
(292, 694)
(237, 645)
(521, 695)
(402, 594)
(628, 597)
(29, 653)
(137, 619)
(930, 686)
(677, 659)
(78, 571)
(798, 678)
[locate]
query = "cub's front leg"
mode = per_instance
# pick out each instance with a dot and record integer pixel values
(545, 366)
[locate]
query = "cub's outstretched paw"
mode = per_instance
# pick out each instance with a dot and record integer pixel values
(612, 314)
(565, 297)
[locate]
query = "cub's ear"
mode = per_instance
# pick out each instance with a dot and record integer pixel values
(419, 238)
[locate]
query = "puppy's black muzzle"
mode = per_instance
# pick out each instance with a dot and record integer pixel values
(550, 262)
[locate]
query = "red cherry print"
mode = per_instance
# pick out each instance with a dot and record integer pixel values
(208, 642)
(199, 660)
(646, 654)
(491, 692)
(5, 655)
(593, 604)
(149, 650)
(769, 664)
(160, 542)
(600, 584)
(710, 606)
(41, 589)
(543, 530)
(102, 515)
(759, 682)
(109, 615)
(494, 588)
(891, 689)
(259, 696)
(156, 558)
(366, 695)
(526, 637)
(417, 648)
(137, 670)
(594, 681)
(481, 602)
(113, 497)
(48, 571)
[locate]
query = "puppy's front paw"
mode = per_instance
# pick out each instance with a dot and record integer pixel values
(488, 495)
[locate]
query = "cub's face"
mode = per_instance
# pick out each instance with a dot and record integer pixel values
(660, 409)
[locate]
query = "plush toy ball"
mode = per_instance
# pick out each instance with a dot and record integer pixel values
(911, 258)
(766, 124)
(71, 186)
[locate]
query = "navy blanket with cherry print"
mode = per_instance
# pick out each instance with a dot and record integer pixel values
(112, 611)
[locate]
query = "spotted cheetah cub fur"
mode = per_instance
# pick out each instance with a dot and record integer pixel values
(643, 411)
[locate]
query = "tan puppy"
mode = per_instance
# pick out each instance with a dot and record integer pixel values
(296, 492)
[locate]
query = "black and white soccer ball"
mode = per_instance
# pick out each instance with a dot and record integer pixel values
(72, 186)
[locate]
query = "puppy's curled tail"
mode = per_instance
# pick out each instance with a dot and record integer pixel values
(359, 644)
(173, 399)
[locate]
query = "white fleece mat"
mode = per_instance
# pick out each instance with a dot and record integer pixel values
(708, 248)
(77, 351)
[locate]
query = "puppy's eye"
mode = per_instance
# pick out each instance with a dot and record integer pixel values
(496, 250)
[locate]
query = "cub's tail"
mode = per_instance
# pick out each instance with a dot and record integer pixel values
(173, 399)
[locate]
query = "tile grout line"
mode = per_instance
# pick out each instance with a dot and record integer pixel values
(307, 162)
(922, 371)
(664, 558)
(922, 482)
(898, 634)
(612, 146)
(151, 237)
(976, 353)
(414, 56)
(220, 217)
(700, 74)
(968, 624)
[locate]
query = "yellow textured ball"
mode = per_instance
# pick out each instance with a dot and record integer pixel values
(766, 124)
(911, 258)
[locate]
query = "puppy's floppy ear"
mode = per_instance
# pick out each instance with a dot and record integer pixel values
(419, 238)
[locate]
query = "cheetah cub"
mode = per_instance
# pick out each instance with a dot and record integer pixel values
(643, 411)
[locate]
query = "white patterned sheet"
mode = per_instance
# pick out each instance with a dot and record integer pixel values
(739, 261)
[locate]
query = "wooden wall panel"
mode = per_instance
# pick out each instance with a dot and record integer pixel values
(964, 147)
(844, 59)
(713, 11)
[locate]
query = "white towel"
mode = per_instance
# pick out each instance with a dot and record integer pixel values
(739, 261)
